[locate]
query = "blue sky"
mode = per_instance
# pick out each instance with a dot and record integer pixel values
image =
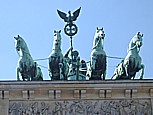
(35, 21)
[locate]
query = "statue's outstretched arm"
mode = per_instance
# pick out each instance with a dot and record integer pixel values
(67, 53)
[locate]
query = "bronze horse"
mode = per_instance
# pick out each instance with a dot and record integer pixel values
(128, 67)
(97, 66)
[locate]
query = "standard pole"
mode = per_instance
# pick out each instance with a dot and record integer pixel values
(71, 48)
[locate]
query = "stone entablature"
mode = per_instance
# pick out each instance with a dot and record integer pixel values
(76, 97)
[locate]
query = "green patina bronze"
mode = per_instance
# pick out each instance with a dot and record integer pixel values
(73, 67)
(27, 69)
(128, 67)
(97, 65)
(58, 68)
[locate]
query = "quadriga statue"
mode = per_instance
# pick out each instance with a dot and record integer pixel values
(58, 67)
(132, 62)
(97, 66)
(27, 69)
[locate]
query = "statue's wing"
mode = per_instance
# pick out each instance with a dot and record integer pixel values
(76, 14)
(63, 15)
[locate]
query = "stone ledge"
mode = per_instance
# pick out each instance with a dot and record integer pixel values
(76, 89)
(14, 82)
(59, 94)
(4, 94)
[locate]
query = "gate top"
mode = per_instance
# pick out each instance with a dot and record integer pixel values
(70, 28)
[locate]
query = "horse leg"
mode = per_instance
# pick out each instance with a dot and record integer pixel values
(61, 71)
(127, 70)
(134, 75)
(93, 63)
(50, 68)
(88, 72)
(142, 71)
(28, 77)
(103, 75)
(18, 72)
(105, 64)
(33, 72)
(66, 70)
(23, 77)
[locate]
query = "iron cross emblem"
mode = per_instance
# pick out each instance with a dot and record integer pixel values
(70, 28)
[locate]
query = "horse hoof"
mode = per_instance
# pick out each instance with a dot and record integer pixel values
(141, 78)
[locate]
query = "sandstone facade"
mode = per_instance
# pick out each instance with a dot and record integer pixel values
(122, 97)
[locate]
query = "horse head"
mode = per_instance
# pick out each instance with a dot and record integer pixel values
(57, 39)
(18, 43)
(136, 42)
(21, 46)
(98, 38)
(138, 39)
